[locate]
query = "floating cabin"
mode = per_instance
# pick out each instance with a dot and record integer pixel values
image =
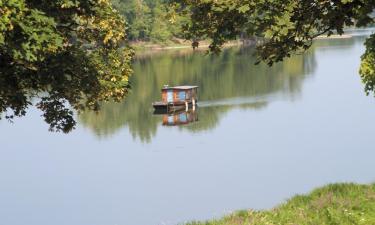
(176, 98)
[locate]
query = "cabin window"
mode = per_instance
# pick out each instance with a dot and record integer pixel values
(182, 95)
(169, 96)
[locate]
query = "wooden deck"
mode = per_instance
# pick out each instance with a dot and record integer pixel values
(163, 107)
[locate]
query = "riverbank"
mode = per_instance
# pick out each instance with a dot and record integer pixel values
(343, 204)
(142, 47)
(145, 48)
(334, 36)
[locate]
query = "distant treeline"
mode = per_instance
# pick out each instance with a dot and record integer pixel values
(148, 20)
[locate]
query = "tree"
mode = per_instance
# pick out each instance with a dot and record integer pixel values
(148, 20)
(138, 15)
(67, 54)
(160, 27)
(288, 26)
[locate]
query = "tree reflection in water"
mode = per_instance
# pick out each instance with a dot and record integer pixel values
(226, 81)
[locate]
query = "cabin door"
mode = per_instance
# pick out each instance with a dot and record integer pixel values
(170, 96)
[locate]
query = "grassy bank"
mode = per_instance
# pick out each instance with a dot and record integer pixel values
(142, 46)
(336, 204)
(171, 45)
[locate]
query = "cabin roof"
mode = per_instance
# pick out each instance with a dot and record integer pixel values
(184, 87)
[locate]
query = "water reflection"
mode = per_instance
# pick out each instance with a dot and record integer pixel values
(181, 117)
(227, 81)
(209, 115)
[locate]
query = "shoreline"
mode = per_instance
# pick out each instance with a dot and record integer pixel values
(204, 45)
(334, 36)
(149, 47)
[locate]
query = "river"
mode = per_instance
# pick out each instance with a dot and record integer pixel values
(261, 136)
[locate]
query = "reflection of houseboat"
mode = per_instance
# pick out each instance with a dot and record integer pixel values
(176, 98)
(180, 118)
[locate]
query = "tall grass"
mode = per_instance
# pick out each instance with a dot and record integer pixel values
(334, 204)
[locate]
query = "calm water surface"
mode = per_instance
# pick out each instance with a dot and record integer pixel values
(263, 135)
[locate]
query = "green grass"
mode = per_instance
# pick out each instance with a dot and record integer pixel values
(335, 204)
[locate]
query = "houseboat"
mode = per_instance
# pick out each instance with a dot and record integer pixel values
(176, 98)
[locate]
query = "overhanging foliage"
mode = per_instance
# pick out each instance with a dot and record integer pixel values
(65, 53)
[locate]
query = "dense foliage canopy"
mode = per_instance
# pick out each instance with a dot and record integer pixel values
(288, 26)
(148, 20)
(65, 53)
